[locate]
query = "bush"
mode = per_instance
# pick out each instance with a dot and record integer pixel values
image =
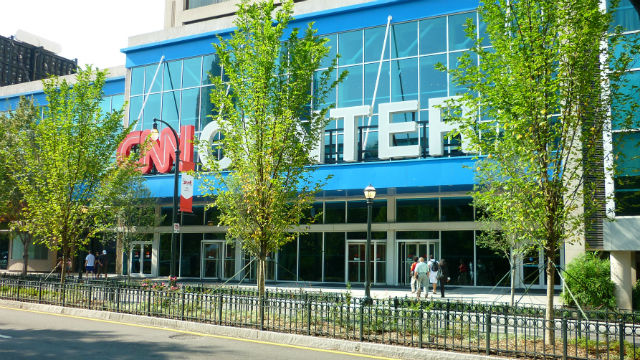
(589, 279)
(635, 296)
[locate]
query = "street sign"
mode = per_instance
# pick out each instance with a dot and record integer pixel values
(176, 228)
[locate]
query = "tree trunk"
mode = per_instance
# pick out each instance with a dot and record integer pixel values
(65, 255)
(26, 241)
(512, 262)
(549, 316)
(261, 274)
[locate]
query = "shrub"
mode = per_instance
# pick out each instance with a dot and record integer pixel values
(589, 279)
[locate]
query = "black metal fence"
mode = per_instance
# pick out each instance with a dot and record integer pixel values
(457, 326)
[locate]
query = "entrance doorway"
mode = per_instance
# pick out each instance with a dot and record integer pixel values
(407, 250)
(356, 262)
(141, 254)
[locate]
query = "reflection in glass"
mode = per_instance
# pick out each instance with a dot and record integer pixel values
(190, 106)
(137, 80)
(191, 72)
(433, 83)
(150, 71)
(458, 39)
(350, 89)
(370, 75)
(350, 47)
(170, 101)
(404, 39)
(404, 80)
(334, 256)
(373, 41)
(433, 37)
(172, 75)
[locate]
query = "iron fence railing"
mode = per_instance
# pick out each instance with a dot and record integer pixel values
(478, 328)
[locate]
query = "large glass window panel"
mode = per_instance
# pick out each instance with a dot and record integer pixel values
(404, 80)
(416, 210)
(404, 39)
(350, 89)
(350, 47)
(206, 108)
(117, 102)
(433, 83)
(381, 263)
(137, 80)
(210, 67)
(170, 102)
(625, 16)
(626, 147)
(334, 257)
(151, 111)
(334, 212)
(621, 109)
(491, 268)
(457, 250)
(433, 35)
(288, 261)
(190, 257)
(135, 104)
(191, 72)
(417, 235)
(482, 29)
(373, 41)
(190, 106)
(172, 75)
(332, 44)
(357, 211)
(370, 140)
(196, 217)
(105, 104)
(458, 39)
(454, 87)
(310, 268)
(370, 75)
(330, 97)
(456, 209)
(151, 84)
(627, 195)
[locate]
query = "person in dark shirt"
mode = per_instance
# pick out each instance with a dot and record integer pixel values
(103, 263)
(443, 276)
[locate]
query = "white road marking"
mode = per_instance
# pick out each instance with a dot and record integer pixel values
(5, 337)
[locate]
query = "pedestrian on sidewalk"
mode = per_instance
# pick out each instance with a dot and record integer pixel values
(443, 275)
(104, 261)
(421, 278)
(412, 273)
(433, 272)
(89, 263)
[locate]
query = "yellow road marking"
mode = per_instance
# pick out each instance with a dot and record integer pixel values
(203, 334)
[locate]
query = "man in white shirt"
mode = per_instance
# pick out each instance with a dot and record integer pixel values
(89, 263)
(421, 275)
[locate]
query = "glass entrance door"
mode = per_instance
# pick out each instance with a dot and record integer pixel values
(141, 254)
(356, 262)
(409, 250)
(212, 260)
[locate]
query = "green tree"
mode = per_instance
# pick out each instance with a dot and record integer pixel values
(269, 129)
(589, 279)
(68, 161)
(547, 85)
(12, 126)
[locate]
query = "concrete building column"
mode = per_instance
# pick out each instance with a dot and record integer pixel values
(392, 257)
(621, 276)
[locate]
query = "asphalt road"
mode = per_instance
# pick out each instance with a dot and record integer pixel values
(26, 334)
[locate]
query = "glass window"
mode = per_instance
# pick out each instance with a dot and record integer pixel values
(454, 87)
(417, 235)
(362, 235)
(194, 218)
(373, 41)
(206, 108)
(416, 210)
(491, 268)
(350, 47)
(210, 66)
(404, 80)
(622, 108)
(370, 75)
(331, 95)
(433, 83)
(456, 209)
(625, 16)
(482, 29)
(627, 195)
(190, 106)
(151, 84)
(36, 251)
(334, 256)
(137, 80)
(310, 257)
(333, 50)
(627, 153)
(404, 39)
(458, 39)
(433, 35)
(151, 111)
(117, 102)
(357, 211)
(350, 90)
(212, 216)
(170, 102)
(191, 72)
(105, 105)
(288, 261)
(314, 213)
(135, 104)
(334, 212)
(190, 255)
(457, 250)
(172, 72)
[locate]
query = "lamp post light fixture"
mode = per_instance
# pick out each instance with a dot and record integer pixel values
(176, 225)
(369, 194)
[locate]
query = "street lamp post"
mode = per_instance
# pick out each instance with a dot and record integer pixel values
(369, 194)
(154, 136)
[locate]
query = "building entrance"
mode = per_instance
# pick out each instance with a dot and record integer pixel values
(217, 260)
(407, 250)
(141, 258)
(356, 262)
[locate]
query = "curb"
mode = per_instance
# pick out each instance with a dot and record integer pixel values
(365, 348)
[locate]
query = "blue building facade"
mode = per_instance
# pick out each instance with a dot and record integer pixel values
(423, 178)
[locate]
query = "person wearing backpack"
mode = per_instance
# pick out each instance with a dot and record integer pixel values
(433, 272)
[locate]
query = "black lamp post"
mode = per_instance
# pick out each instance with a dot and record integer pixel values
(176, 194)
(369, 194)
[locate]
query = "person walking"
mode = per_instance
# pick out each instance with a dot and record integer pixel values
(89, 263)
(421, 278)
(443, 275)
(412, 273)
(104, 261)
(433, 272)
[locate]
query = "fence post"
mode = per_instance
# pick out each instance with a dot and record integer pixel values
(487, 325)
(621, 337)
(420, 326)
(220, 298)
(40, 292)
(118, 298)
(90, 295)
(361, 321)
(564, 336)
(18, 292)
(308, 315)
(148, 302)
(182, 305)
